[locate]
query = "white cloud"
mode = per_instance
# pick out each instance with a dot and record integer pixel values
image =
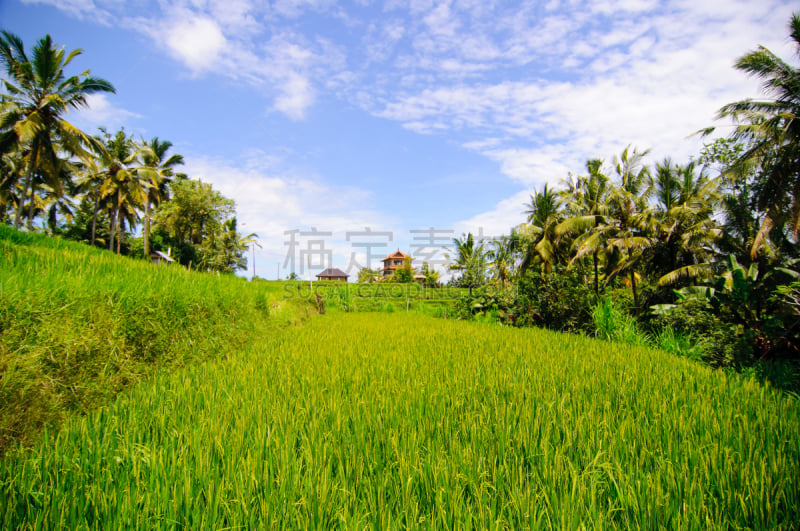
(197, 41)
(536, 88)
(78, 8)
(296, 96)
(494, 223)
(271, 200)
(101, 112)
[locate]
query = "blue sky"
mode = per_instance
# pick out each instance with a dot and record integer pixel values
(401, 116)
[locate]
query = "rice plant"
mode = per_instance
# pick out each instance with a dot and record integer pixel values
(381, 421)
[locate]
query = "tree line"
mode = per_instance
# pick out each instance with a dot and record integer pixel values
(102, 189)
(704, 253)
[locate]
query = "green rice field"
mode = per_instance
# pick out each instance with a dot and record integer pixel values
(383, 421)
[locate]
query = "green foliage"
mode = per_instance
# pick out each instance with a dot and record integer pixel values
(470, 261)
(490, 303)
(614, 324)
(562, 300)
(224, 251)
(431, 275)
(382, 421)
(367, 275)
(676, 343)
(200, 223)
(194, 212)
(405, 274)
(772, 132)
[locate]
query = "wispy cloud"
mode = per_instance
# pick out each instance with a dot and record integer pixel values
(100, 112)
(272, 199)
(535, 87)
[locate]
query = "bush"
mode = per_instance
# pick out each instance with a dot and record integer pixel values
(613, 324)
(562, 301)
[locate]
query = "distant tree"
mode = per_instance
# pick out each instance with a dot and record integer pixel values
(405, 274)
(683, 222)
(623, 234)
(503, 256)
(224, 251)
(586, 205)
(367, 275)
(470, 261)
(156, 172)
(194, 211)
(121, 190)
(431, 275)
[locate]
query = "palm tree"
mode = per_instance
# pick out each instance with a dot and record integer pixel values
(544, 215)
(90, 179)
(622, 234)
(37, 94)
(122, 190)
(224, 250)
(634, 176)
(683, 220)
(157, 169)
(11, 167)
(470, 259)
(503, 256)
(771, 128)
(586, 201)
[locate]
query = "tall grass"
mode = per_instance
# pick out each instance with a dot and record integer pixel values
(78, 325)
(388, 421)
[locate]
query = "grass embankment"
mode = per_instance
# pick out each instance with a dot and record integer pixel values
(382, 421)
(78, 325)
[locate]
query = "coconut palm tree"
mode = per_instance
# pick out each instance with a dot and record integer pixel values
(470, 259)
(156, 171)
(121, 191)
(12, 166)
(683, 221)
(90, 178)
(37, 93)
(544, 214)
(771, 128)
(503, 256)
(585, 201)
(622, 233)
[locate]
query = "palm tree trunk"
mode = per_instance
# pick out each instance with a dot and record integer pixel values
(32, 160)
(29, 223)
(94, 215)
(21, 203)
(596, 277)
(633, 287)
(112, 230)
(119, 229)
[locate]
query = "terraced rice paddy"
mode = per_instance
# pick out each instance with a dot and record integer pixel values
(394, 421)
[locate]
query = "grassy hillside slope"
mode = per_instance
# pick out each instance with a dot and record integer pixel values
(78, 325)
(383, 421)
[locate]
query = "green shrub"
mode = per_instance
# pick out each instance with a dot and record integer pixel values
(614, 324)
(559, 301)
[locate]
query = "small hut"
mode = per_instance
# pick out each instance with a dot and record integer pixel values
(157, 257)
(333, 273)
